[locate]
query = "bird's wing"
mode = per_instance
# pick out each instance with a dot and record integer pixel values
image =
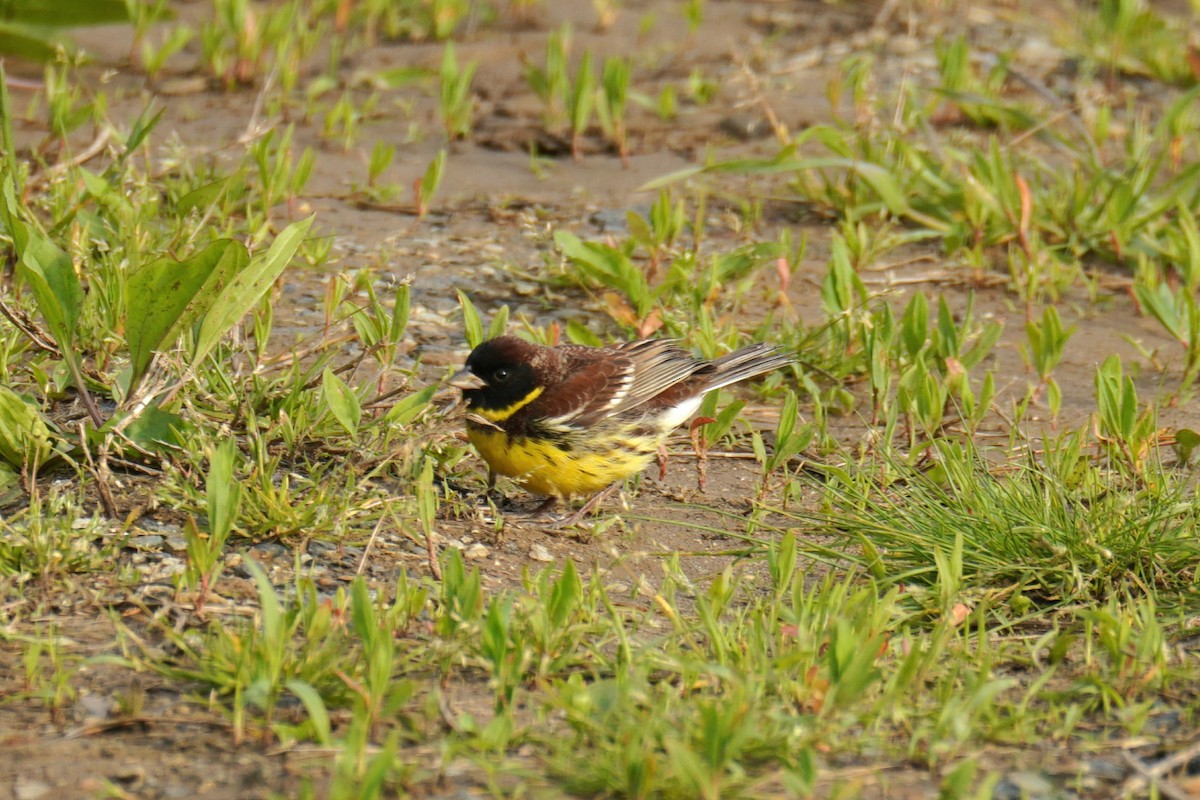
(603, 382)
(593, 382)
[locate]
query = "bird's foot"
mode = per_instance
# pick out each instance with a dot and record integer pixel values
(562, 521)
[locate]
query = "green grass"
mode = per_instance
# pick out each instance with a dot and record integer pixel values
(897, 597)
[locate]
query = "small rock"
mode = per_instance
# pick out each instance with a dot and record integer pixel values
(93, 708)
(319, 548)
(177, 541)
(1023, 785)
(182, 86)
(29, 789)
(745, 127)
(172, 566)
(146, 541)
(609, 220)
(476, 551)
(540, 553)
(270, 552)
(1107, 769)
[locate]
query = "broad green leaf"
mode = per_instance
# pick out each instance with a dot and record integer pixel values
(581, 334)
(66, 13)
(1186, 441)
(25, 41)
(167, 296)
(51, 276)
(202, 197)
(25, 439)
(407, 409)
(155, 430)
(343, 403)
(318, 715)
(247, 287)
(10, 485)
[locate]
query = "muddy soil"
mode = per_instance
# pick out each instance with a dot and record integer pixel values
(508, 187)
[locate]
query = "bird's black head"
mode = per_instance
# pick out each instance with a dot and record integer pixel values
(501, 377)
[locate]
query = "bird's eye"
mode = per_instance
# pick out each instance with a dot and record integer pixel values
(500, 376)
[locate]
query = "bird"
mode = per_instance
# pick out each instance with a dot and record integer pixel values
(573, 420)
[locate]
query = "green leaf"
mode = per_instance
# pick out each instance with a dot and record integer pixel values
(343, 402)
(1186, 441)
(609, 267)
(9, 206)
(472, 323)
(426, 497)
(499, 323)
(167, 296)
(879, 179)
(10, 485)
(51, 275)
(25, 439)
(247, 287)
(400, 313)
(432, 178)
(66, 13)
(8, 194)
(155, 430)
(202, 197)
(318, 715)
(24, 41)
(222, 490)
(410, 407)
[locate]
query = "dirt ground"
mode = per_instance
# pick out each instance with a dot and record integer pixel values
(490, 232)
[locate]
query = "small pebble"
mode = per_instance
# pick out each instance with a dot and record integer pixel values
(29, 789)
(540, 553)
(147, 541)
(476, 551)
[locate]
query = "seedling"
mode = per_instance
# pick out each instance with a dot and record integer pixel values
(551, 83)
(1126, 428)
(614, 84)
(382, 156)
(693, 12)
(791, 436)
(206, 552)
(581, 99)
(1177, 311)
(426, 187)
(658, 232)
(456, 104)
(1046, 342)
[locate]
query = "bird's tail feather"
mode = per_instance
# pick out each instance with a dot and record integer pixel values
(746, 363)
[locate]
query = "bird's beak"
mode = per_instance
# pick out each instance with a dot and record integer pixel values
(466, 380)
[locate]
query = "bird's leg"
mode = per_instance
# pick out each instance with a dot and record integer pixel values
(595, 500)
(662, 462)
(545, 506)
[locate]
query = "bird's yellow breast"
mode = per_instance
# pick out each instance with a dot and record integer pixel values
(544, 467)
